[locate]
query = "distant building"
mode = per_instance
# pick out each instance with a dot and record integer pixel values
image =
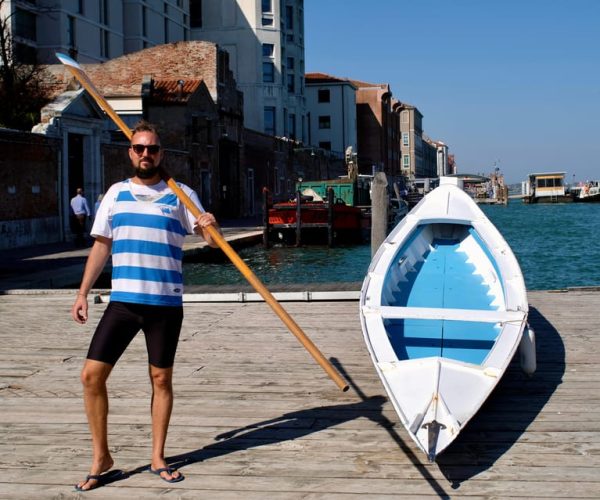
(545, 187)
(442, 161)
(411, 143)
(93, 31)
(265, 41)
(331, 104)
(377, 129)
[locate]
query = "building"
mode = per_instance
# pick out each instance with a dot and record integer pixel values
(93, 31)
(378, 140)
(411, 145)
(265, 41)
(331, 117)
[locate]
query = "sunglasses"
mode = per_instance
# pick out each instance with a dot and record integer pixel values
(138, 149)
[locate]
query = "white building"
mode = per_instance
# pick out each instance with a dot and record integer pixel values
(331, 105)
(265, 41)
(93, 31)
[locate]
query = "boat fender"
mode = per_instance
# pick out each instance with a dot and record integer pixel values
(527, 351)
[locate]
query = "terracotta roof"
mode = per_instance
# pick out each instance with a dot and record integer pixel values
(360, 84)
(174, 90)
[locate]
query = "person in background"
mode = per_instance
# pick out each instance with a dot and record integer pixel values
(142, 223)
(80, 211)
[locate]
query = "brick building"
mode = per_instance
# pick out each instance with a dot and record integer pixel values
(377, 129)
(189, 91)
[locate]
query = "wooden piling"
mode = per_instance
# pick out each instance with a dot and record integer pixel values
(298, 218)
(379, 210)
(266, 228)
(330, 220)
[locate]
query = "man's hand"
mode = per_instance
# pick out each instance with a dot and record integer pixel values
(79, 311)
(205, 219)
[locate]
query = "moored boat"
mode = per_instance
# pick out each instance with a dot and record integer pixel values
(588, 192)
(443, 310)
(326, 211)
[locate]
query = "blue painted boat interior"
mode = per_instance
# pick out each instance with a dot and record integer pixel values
(441, 278)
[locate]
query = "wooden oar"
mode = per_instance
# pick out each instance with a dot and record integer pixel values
(87, 84)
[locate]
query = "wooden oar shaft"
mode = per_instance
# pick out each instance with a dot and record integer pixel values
(214, 234)
(262, 290)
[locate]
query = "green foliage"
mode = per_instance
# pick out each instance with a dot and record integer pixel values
(21, 94)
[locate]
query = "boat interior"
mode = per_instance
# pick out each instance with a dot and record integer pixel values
(443, 266)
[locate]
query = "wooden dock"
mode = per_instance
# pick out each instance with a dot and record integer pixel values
(256, 418)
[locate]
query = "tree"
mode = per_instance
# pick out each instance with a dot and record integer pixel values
(22, 94)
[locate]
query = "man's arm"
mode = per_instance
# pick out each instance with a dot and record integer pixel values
(96, 261)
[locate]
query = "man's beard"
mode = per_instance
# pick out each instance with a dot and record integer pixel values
(146, 173)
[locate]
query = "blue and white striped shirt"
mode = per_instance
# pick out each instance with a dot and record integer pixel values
(148, 225)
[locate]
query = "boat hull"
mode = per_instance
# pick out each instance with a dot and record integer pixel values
(443, 308)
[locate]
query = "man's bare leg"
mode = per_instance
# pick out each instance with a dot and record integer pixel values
(161, 407)
(95, 397)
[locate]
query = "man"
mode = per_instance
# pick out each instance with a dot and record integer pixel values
(81, 211)
(143, 224)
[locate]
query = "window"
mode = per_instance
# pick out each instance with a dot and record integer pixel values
(404, 116)
(325, 145)
(269, 118)
(104, 44)
(292, 126)
(405, 139)
(406, 161)
(196, 13)
(268, 49)
(290, 63)
(144, 22)
(25, 24)
(289, 17)
(103, 11)
(80, 5)
(166, 28)
(291, 86)
(324, 95)
(268, 72)
(267, 21)
(71, 31)
(325, 121)
(267, 5)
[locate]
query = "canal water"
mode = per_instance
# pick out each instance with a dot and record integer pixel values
(557, 246)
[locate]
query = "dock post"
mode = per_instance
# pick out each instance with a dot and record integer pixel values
(330, 216)
(265, 217)
(379, 210)
(298, 218)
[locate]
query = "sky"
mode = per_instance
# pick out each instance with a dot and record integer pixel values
(513, 84)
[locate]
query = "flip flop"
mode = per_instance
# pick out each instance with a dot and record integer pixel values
(170, 471)
(102, 479)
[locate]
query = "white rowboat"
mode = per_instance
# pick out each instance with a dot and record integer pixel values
(443, 309)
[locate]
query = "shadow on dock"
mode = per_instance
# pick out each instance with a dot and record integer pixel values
(295, 425)
(513, 405)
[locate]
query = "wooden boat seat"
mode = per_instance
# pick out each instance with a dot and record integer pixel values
(465, 335)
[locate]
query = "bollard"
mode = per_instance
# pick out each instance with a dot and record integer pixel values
(379, 211)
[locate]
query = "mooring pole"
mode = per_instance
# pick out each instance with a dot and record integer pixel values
(266, 217)
(330, 220)
(379, 210)
(298, 218)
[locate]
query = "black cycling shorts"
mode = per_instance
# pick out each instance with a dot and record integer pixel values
(121, 322)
